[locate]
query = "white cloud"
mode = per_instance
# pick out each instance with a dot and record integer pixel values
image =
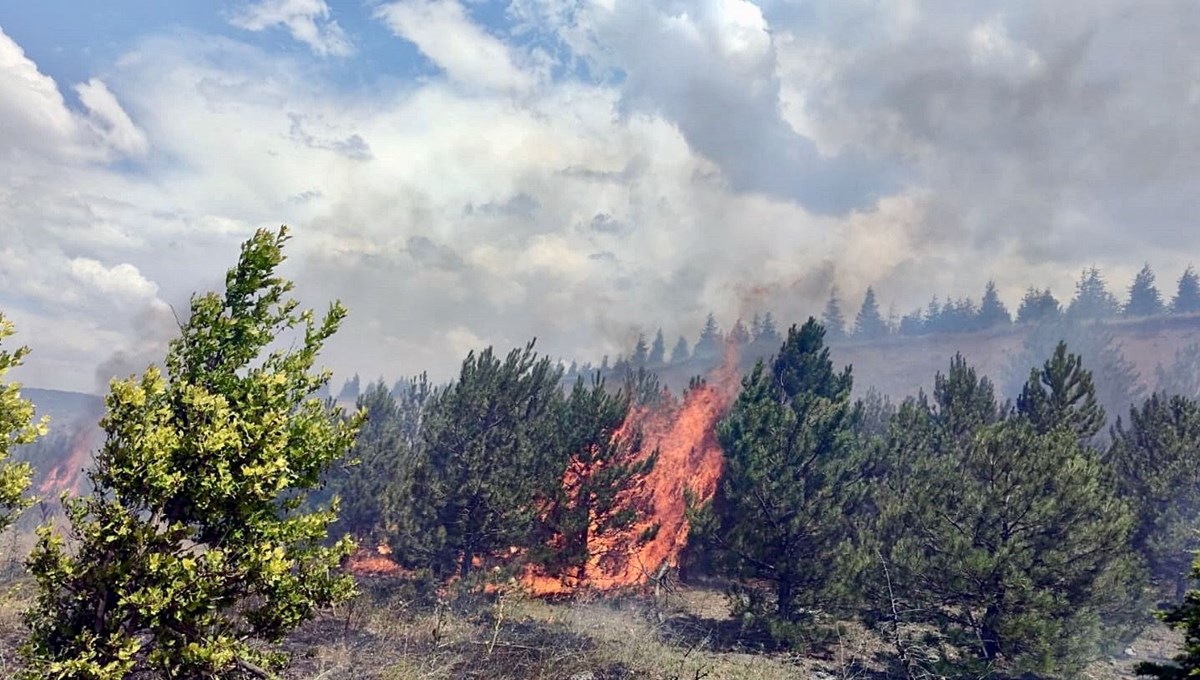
(992, 47)
(122, 281)
(308, 21)
(445, 34)
(109, 120)
(38, 125)
(35, 118)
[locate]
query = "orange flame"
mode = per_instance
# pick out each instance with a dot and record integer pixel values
(689, 457)
(68, 473)
(365, 563)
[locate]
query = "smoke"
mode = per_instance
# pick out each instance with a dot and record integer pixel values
(616, 167)
(153, 328)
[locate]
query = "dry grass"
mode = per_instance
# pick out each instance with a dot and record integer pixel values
(686, 636)
(394, 632)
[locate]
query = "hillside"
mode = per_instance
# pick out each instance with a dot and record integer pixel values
(899, 366)
(67, 410)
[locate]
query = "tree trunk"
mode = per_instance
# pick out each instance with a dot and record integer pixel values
(989, 632)
(464, 569)
(783, 592)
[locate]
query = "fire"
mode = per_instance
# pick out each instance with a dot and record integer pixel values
(68, 473)
(689, 458)
(373, 563)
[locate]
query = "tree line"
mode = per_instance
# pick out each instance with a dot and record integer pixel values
(977, 536)
(1092, 301)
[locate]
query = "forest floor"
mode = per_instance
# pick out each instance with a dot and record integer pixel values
(393, 632)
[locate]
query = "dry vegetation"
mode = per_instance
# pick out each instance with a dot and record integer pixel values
(685, 636)
(395, 630)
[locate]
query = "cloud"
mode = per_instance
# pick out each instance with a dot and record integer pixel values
(582, 170)
(122, 281)
(466, 52)
(36, 120)
(109, 121)
(1037, 133)
(712, 67)
(308, 21)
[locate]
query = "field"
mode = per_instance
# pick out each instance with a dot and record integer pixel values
(395, 631)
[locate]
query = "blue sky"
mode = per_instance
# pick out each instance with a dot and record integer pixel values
(72, 41)
(465, 173)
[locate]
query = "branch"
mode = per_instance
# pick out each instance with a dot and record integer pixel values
(252, 668)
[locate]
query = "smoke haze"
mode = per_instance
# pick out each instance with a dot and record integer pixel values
(463, 174)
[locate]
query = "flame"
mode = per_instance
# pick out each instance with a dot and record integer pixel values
(68, 473)
(689, 457)
(365, 563)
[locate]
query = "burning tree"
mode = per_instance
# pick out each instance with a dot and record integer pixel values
(194, 542)
(590, 515)
(16, 428)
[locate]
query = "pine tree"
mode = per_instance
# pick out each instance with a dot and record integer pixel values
(869, 325)
(1185, 618)
(832, 319)
(1144, 298)
(680, 352)
(790, 483)
(1038, 306)
(381, 462)
(710, 344)
(1156, 458)
(959, 316)
(1009, 543)
(738, 335)
(1092, 299)
(17, 428)
(641, 352)
(992, 312)
(1061, 395)
(599, 464)
(350, 390)
(482, 463)
(658, 350)
(933, 322)
(1182, 377)
(913, 323)
(194, 543)
(1187, 295)
(767, 338)
(965, 402)
(875, 412)
(769, 332)
(1116, 380)
(412, 398)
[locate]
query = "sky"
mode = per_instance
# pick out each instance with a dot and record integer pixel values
(463, 173)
